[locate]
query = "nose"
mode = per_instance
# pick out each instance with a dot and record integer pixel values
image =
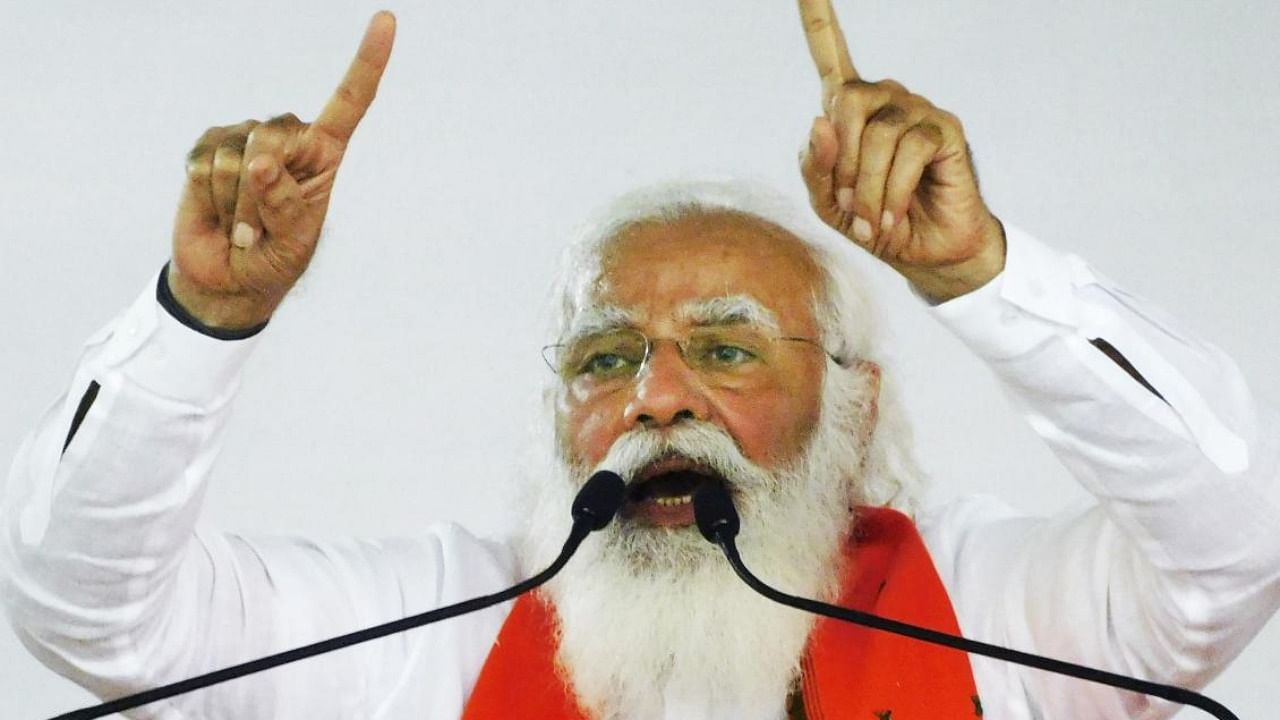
(666, 392)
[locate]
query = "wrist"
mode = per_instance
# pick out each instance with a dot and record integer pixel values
(941, 283)
(220, 316)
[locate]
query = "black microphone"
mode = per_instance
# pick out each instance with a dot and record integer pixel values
(595, 505)
(718, 522)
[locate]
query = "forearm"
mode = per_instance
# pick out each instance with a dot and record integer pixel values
(93, 536)
(1140, 411)
(1180, 564)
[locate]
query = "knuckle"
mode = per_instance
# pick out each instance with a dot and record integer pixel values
(205, 146)
(197, 169)
(198, 155)
(263, 135)
(923, 135)
(890, 116)
(232, 146)
(286, 120)
(949, 120)
(919, 105)
(857, 93)
(225, 167)
(893, 86)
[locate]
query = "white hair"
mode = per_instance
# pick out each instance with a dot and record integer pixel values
(651, 617)
(846, 316)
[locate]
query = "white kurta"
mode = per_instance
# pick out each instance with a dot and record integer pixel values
(108, 580)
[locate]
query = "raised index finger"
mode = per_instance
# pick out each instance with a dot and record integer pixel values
(352, 98)
(827, 46)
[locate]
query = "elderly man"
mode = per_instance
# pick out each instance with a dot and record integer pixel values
(707, 333)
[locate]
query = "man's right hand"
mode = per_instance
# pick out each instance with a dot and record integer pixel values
(256, 197)
(892, 172)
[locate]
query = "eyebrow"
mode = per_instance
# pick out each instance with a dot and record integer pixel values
(728, 310)
(597, 318)
(706, 312)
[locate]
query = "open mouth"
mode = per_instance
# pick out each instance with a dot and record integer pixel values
(662, 493)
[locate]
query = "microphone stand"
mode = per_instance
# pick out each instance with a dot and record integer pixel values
(595, 505)
(718, 521)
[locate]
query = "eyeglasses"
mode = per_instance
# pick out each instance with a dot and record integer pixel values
(733, 356)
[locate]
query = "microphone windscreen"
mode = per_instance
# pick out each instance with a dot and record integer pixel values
(714, 512)
(599, 499)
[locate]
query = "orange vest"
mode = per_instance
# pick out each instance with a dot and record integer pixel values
(848, 672)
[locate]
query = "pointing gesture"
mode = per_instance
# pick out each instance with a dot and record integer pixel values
(256, 197)
(828, 48)
(893, 173)
(352, 99)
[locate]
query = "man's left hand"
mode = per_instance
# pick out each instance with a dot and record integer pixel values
(893, 173)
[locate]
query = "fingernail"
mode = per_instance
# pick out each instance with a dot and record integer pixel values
(844, 198)
(243, 235)
(861, 230)
(886, 221)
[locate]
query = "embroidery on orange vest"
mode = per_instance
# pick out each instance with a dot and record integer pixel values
(848, 672)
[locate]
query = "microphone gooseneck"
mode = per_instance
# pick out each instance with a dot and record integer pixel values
(718, 522)
(593, 508)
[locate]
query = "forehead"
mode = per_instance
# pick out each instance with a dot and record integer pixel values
(658, 267)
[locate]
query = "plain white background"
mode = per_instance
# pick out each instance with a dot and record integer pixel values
(391, 390)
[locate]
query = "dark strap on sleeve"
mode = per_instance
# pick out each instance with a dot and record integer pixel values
(1110, 351)
(86, 402)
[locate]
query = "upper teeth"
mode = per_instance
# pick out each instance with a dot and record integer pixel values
(678, 500)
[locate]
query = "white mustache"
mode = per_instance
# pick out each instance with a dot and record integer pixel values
(698, 441)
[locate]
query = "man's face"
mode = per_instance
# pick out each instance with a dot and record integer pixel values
(674, 279)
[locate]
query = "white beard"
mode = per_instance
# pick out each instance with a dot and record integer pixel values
(654, 618)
